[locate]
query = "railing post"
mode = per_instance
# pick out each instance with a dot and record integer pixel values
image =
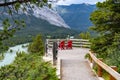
(46, 49)
(114, 68)
(55, 51)
(100, 70)
(91, 57)
(90, 60)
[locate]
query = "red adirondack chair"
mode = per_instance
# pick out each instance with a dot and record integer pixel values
(62, 45)
(69, 44)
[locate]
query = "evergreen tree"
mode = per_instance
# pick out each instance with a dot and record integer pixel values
(37, 45)
(106, 20)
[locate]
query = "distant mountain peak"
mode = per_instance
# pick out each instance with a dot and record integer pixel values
(77, 15)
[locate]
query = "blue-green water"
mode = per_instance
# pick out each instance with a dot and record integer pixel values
(9, 57)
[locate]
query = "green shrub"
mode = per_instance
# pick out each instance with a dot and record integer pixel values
(37, 45)
(28, 67)
(11, 50)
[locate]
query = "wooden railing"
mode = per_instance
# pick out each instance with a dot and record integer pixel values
(76, 42)
(114, 75)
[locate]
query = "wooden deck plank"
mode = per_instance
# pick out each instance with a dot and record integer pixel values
(75, 66)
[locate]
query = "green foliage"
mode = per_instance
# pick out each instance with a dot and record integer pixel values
(3, 48)
(106, 20)
(113, 58)
(45, 1)
(17, 6)
(11, 23)
(37, 45)
(1, 56)
(28, 67)
(85, 35)
(106, 76)
(11, 50)
(87, 56)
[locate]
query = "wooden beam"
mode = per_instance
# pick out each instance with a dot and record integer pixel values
(108, 69)
(100, 70)
(114, 68)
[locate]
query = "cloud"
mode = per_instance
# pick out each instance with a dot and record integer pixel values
(68, 2)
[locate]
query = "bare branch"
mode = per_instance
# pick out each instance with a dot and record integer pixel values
(13, 2)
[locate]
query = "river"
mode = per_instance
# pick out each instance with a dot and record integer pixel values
(9, 57)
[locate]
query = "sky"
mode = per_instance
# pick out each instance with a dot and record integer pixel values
(68, 2)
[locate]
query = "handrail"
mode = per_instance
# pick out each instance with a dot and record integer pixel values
(76, 42)
(86, 40)
(108, 69)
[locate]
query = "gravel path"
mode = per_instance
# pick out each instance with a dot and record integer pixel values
(75, 66)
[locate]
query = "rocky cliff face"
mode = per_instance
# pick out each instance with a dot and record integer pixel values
(50, 15)
(40, 14)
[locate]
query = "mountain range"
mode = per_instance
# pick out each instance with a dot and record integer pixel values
(43, 13)
(60, 21)
(76, 15)
(43, 21)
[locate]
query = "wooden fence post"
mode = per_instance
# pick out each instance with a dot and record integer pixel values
(114, 68)
(100, 70)
(46, 49)
(90, 59)
(55, 51)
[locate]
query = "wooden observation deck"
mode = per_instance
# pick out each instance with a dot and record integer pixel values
(72, 64)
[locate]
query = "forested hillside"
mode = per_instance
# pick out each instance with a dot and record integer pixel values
(39, 26)
(77, 15)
